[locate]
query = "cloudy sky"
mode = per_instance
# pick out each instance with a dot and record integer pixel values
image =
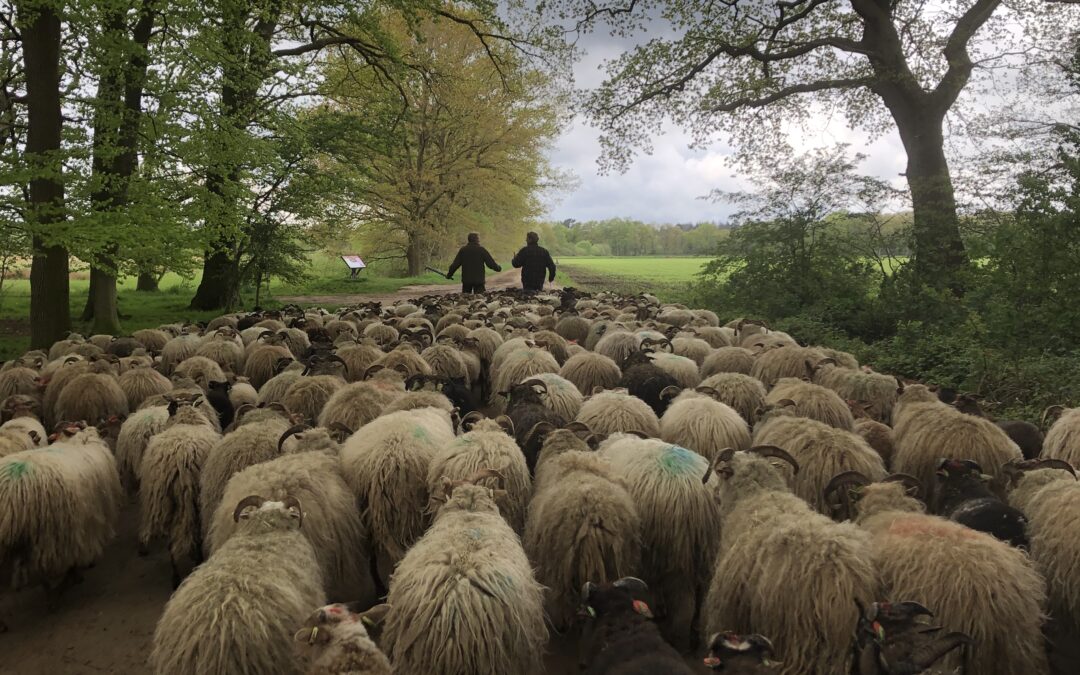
(666, 186)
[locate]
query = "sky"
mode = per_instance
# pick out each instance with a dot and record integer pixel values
(667, 186)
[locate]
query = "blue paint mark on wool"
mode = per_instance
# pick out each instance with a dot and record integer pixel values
(680, 461)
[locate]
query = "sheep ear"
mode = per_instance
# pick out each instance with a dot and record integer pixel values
(374, 617)
(597, 390)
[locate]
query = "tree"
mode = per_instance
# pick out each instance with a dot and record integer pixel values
(748, 67)
(40, 32)
(455, 143)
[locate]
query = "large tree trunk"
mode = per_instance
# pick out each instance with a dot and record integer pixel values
(218, 288)
(147, 282)
(106, 314)
(50, 312)
(940, 256)
(414, 255)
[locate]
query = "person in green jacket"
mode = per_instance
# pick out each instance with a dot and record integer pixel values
(471, 259)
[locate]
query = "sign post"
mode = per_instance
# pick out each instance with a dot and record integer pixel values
(355, 264)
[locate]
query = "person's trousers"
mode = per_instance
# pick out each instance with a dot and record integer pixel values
(472, 288)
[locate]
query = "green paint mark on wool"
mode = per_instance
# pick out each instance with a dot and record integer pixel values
(15, 470)
(680, 461)
(420, 433)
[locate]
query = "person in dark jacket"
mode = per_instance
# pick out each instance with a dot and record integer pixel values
(533, 261)
(471, 258)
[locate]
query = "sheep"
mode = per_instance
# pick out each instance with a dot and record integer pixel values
(1051, 500)
(525, 409)
(789, 361)
(358, 358)
(445, 361)
(561, 396)
(692, 348)
(485, 445)
(822, 452)
(224, 348)
(236, 613)
(743, 393)
(877, 435)
(262, 363)
(582, 524)
(139, 384)
(21, 433)
(617, 344)
(812, 401)
(714, 336)
(793, 573)
(926, 430)
(1063, 438)
(249, 443)
(463, 600)
(647, 381)
(613, 412)
(91, 397)
(135, 434)
(519, 365)
(308, 395)
(177, 350)
(727, 360)
(341, 643)
(890, 639)
(333, 525)
(59, 508)
(573, 328)
(1028, 437)
(200, 369)
(169, 485)
(877, 391)
(19, 381)
(589, 371)
(553, 343)
(273, 390)
(704, 425)
(980, 586)
(357, 404)
(684, 370)
(488, 341)
(412, 400)
(620, 635)
(152, 339)
(386, 465)
(963, 496)
(664, 481)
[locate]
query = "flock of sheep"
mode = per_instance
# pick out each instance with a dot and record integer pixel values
(468, 477)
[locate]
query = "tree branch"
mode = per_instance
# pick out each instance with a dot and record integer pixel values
(956, 53)
(820, 85)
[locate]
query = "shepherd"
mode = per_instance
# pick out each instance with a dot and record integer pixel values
(471, 258)
(534, 260)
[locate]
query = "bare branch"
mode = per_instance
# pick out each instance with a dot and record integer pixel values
(805, 88)
(956, 53)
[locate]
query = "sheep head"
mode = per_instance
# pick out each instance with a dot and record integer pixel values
(628, 595)
(286, 514)
(736, 653)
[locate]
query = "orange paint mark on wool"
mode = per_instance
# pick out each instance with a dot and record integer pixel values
(921, 526)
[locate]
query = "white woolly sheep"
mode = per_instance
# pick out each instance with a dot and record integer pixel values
(561, 395)
(789, 361)
(680, 521)
(744, 393)
(875, 391)
(612, 412)
(704, 425)
(486, 446)
(684, 370)
(356, 404)
(463, 600)
(978, 585)
(139, 384)
(589, 371)
(582, 524)
(1063, 438)
(822, 452)
(617, 344)
(813, 402)
(308, 395)
(169, 486)
(236, 613)
(58, 508)
(340, 642)
(784, 570)
(386, 465)
(91, 397)
(926, 430)
(135, 434)
(521, 364)
(177, 350)
(695, 349)
(262, 363)
(332, 523)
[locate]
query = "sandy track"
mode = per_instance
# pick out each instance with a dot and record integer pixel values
(495, 282)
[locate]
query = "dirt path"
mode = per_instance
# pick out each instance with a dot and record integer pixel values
(495, 282)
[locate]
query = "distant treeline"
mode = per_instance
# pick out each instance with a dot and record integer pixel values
(626, 237)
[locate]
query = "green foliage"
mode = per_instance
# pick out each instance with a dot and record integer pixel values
(628, 237)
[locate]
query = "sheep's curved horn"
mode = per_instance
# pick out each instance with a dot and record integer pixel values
(785, 403)
(536, 381)
(724, 455)
(372, 370)
(470, 420)
(292, 502)
(542, 429)
(280, 407)
(291, 431)
(778, 453)
(506, 423)
(577, 426)
(913, 485)
(708, 391)
(253, 500)
(339, 431)
(632, 584)
(1048, 463)
(669, 392)
(637, 432)
(1052, 410)
(849, 480)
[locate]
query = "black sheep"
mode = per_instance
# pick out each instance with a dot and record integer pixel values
(218, 395)
(526, 409)
(890, 639)
(644, 379)
(964, 496)
(736, 654)
(1026, 435)
(620, 636)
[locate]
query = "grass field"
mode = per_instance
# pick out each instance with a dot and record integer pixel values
(668, 278)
